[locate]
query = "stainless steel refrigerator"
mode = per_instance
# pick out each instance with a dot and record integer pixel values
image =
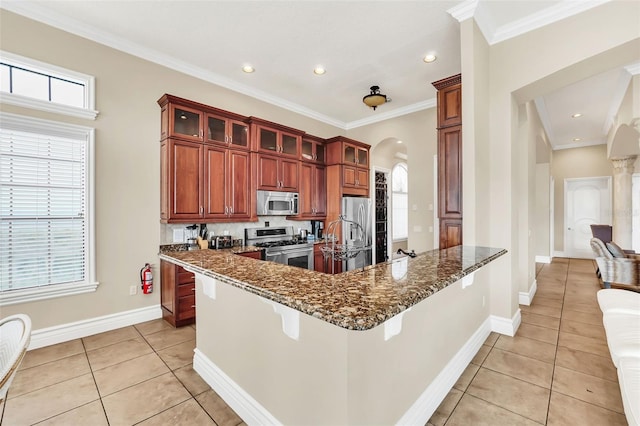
(357, 209)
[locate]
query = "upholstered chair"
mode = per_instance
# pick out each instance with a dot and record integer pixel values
(621, 272)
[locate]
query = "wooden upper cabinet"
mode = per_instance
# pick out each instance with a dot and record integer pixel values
(353, 158)
(200, 182)
(450, 160)
(181, 184)
(275, 173)
(227, 184)
(188, 120)
(341, 150)
(274, 139)
(312, 149)
(222, 129)
(449, 101)
(313, 193)
(450, 172)
(185, 122)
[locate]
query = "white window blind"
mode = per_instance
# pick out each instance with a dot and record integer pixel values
(43, 206)
(400, 201)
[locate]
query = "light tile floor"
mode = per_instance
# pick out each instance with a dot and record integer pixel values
(555, 371)
(134, 375)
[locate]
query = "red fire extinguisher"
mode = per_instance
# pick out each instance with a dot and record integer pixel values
(146, 279)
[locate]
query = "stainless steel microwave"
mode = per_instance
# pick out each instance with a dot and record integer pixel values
(272, 203)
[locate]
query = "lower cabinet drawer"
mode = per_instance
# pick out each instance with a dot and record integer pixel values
(186, 289)
(186, 307)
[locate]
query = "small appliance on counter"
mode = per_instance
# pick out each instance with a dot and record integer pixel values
(192, 237)
(222, 242)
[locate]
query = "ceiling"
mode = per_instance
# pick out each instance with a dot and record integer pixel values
(360, 43)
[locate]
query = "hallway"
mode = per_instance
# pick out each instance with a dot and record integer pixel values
(556, 370)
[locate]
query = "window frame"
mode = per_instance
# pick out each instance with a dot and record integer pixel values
(90, 283)
(88, 112)
(393, 211)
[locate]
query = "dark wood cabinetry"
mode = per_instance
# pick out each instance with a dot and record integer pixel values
(227, 184)
(275, 173)
(313, 193)
(278, 154)
(271, 138)
(253, 254)
(205, 175)
(322, 265)
(181, 183)
(312, 149)
(450, 160)
(177, 294)
(352, 159)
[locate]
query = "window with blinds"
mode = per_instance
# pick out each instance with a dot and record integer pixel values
(44, 203)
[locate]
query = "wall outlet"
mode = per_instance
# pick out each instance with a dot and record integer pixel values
(133, 290)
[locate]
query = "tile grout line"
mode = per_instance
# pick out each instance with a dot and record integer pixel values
(178, 379)
(555, 355)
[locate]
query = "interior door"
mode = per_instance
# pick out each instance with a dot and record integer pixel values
(587, 202)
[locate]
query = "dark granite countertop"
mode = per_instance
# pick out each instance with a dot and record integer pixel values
(355, 300)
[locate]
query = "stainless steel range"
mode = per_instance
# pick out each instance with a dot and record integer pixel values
(281, 245)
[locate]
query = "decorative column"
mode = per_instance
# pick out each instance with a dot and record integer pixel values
(622, 195)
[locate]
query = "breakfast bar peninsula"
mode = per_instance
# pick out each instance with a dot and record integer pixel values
(379, 345)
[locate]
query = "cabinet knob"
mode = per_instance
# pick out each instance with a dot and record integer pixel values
(201, 209)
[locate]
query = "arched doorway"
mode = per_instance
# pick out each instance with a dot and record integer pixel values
(385, 158)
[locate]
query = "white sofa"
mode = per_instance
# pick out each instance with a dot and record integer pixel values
(621, 318)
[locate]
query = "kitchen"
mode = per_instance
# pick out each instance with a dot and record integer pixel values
(248, 173)
(274, 268)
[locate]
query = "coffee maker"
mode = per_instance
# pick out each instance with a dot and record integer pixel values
(316, 228)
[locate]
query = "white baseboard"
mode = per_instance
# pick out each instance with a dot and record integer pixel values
(526, 297)
(250, 410)
(75, 330)
(429, 401)
(559, 254)
(543, 259)
(505, 325)
(253, 413)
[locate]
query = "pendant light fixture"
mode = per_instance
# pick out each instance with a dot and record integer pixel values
(375, 98)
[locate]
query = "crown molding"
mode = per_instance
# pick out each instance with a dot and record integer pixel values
(464, 10)
(581, 144)
(633, 69)
(419, 106)
(564, 9)
(557, 12)
(78, 28)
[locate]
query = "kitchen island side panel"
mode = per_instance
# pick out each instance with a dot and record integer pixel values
(297, 382)
(332, 375)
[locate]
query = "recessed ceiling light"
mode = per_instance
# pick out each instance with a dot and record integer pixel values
(430, 58)
(319, 70)
(577, 139)
(576, 115)
(248, 69)
(398, 141)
